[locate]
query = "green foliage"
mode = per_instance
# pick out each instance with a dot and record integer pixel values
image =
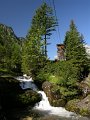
(64, 74)
(32, 58)
(54, 79)
(68, 93)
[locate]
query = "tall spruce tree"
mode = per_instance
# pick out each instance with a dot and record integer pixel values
(35, 48)
(45, 22)
(75, 50)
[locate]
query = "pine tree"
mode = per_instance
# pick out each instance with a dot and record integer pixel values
(75, 50)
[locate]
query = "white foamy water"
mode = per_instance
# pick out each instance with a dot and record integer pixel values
(26, 82)
(45, 106)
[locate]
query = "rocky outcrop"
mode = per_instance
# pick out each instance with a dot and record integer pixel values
(6, 32)
(87, 80)
(82, 104)
(84, 86)
(53, 94)
(79, 106)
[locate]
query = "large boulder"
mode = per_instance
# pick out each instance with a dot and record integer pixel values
(79, 106)
(53, 93)
(72, 105)
(28, 98)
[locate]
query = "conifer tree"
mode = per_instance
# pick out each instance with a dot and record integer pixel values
(75, 50)
(45, 22)
(35, 47)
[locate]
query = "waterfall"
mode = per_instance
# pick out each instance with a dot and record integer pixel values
(43, 105)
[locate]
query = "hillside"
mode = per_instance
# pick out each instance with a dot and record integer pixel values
(9, 49)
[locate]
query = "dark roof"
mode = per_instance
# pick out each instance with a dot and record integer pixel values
(60, 45)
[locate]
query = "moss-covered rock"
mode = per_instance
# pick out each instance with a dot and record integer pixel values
(81, 107)
(84, 112)
(57, 103)
(29, 97)
(72, 105)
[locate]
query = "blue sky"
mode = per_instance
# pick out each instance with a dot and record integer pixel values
(18, 14)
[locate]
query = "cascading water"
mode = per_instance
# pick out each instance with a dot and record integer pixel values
(44, 105)
(26, 82)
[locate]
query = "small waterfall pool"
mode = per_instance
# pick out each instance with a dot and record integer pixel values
(44, 106)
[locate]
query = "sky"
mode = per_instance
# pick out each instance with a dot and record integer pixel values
(18, 14)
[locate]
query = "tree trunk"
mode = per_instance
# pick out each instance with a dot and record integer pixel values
(45, 46)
